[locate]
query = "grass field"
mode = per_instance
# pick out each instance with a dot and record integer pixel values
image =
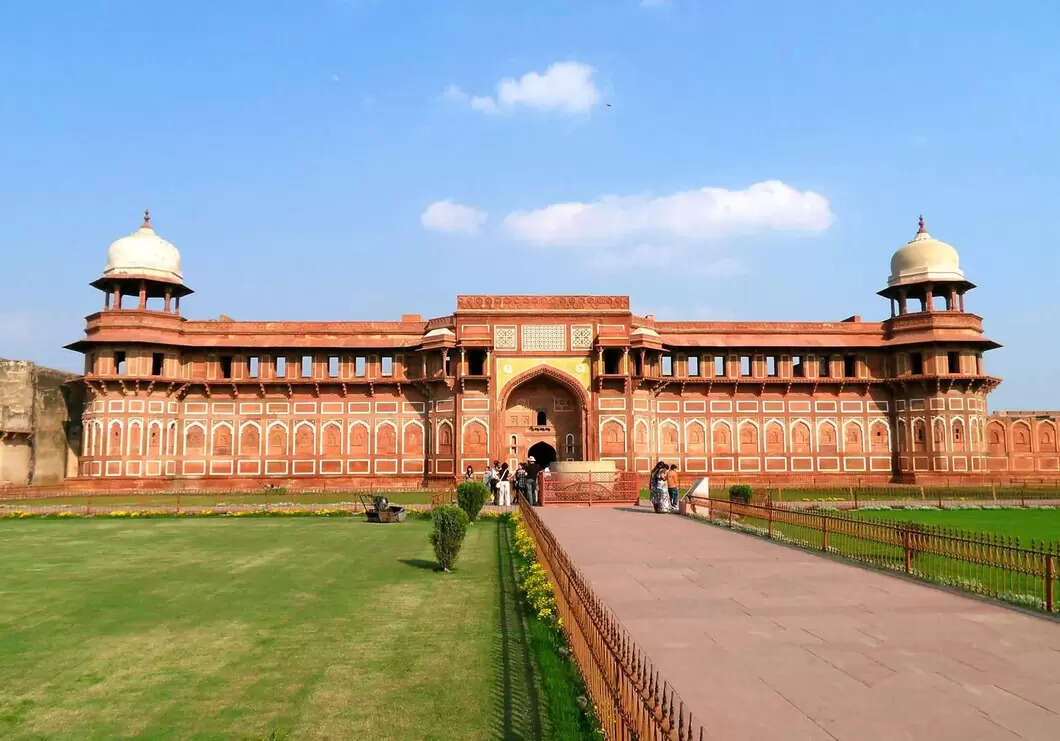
(1026, 524)
(263, 628)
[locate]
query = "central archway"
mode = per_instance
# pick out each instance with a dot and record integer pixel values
(543, 453)
(546, 406)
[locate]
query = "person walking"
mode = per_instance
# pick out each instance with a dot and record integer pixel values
(673, 484)
(520, 482)
(488, 477)
(660, 497)
(531, 481)
(504, 486)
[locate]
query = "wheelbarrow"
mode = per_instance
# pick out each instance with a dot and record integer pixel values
(379, 509)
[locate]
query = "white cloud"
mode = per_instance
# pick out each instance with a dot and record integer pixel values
(692, 215)
(565, 87)
(453, 218)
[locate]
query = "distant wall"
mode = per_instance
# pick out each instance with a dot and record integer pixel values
(38, 439)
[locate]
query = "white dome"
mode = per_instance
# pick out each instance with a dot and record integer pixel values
(925, 258)
(144, 253)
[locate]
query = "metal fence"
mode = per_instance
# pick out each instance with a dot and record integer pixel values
(991, 565)
(589, 488)
(633, 702)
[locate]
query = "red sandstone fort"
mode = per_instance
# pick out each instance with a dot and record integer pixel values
(171, 401)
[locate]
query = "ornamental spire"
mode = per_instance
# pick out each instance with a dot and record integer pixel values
(147, 218)
(922, 229)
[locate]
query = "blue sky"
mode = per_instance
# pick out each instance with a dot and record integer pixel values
(292, 152)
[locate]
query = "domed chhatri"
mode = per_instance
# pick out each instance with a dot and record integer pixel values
(144, 254)
(925, 258)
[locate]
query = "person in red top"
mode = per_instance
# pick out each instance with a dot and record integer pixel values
(672, 484)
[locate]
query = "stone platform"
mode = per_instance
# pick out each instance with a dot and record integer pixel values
(766, 641)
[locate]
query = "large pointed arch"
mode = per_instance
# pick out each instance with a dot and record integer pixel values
(567, 381)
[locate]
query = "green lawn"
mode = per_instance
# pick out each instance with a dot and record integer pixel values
(126, 501)
(261, 628)
(1027, 524)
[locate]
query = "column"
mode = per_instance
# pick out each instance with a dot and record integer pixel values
(929, 298)
(117, 296)
(902, 307)
(960, 299)
(169, 297)
(625, 360)
(143, 296)
(178, 306)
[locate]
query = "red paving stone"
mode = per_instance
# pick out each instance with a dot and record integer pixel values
(766, 641)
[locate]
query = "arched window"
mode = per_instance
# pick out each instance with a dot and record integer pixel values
(277, 441)
(222, 441)
(570, 446)
(332, 441)
(194, 441)
(722, 440)
(826, 439)
(542, 418)
(445, 439)
(800, 438)
(249, 440)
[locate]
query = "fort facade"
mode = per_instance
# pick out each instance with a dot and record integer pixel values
(171, 401)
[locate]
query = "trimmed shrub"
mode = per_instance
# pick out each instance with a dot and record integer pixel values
(740, 493)
(450, 527)
(471, 495)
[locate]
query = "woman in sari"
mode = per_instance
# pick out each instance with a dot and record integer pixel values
(660, 495)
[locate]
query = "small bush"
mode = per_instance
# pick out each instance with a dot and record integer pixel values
(450, 526)
(471, 495)
(740, 493)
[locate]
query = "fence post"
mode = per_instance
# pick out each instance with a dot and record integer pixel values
(824, 532)
(908, 554)
(770, 520)
(730, 512)
(1023, 496)
(1050, 575)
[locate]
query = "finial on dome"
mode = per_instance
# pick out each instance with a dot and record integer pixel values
(147, 218)
(922, 229)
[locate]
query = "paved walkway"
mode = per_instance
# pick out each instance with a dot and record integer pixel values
(765, 641)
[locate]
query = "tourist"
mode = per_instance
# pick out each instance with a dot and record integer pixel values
(531, 481)
(504, 486)
(469, 473)
(520, 482)
(672, 484)
(660, 496)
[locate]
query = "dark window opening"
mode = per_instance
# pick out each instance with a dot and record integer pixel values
(386, 365)
(307, 366)
(719, 365)
(849, 366)
(119, 362)
(612, 361)
(359, 364)
(667, 365)
(542, 418)
(771, 366)
(226, 366)
(693, 365)
(156, 363)
(745, 365)
(476, 363)
(281, 367)
(916, 363)
(954, 360)
(824, 367)
(448, 366)
(333, 366)
(638, 365)
(253, 366)
(798, 370)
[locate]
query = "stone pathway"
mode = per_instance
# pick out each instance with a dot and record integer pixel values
(766, 641)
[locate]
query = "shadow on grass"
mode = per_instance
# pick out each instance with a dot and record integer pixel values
(420, 563)
(518, 712)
